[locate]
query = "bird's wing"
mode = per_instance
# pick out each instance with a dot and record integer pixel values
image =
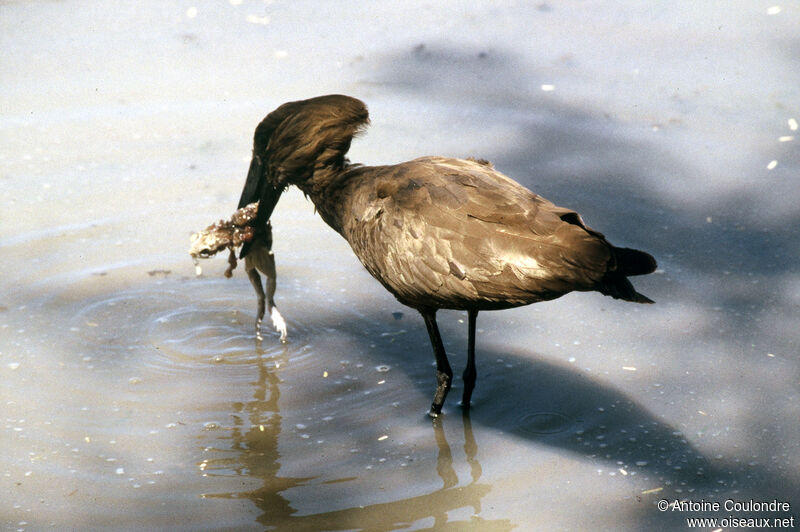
(466, 232)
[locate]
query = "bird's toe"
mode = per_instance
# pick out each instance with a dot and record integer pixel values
(279, 323)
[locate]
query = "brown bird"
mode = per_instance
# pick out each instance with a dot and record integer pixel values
(438, 233)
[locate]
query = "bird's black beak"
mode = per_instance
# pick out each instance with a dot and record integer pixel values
(257, 188)
(266, 204)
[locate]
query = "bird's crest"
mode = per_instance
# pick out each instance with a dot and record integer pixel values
(303, 136)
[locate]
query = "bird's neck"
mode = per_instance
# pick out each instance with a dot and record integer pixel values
(328, 191)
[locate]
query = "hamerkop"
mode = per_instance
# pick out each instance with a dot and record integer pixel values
(438, 233)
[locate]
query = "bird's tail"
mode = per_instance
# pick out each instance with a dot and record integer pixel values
(628, 262)
(634, 262)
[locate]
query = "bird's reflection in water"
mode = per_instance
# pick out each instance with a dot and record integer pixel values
(257, 455)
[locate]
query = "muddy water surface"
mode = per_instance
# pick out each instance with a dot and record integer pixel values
(134, 396)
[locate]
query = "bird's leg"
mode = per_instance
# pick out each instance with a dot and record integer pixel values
(271, 282)
(444, 374)
(470, 373)
(255, 280)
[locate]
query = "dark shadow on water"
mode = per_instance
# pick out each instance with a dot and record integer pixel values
(559, 407)
(546, 404)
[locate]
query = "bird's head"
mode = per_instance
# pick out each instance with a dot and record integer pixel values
(300, 143)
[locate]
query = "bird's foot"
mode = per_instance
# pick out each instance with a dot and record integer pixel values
(443, 381)
(259, 337)
(466, 396)
(279, 323)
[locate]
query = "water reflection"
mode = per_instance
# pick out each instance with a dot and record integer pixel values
(253, 453)
(254, 445)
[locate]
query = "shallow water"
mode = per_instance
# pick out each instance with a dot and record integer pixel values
(135, 396)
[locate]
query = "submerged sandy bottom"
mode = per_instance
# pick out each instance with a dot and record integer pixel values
(135, 396)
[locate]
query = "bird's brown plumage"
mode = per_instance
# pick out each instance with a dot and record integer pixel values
(452, 233)
(436, 232)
